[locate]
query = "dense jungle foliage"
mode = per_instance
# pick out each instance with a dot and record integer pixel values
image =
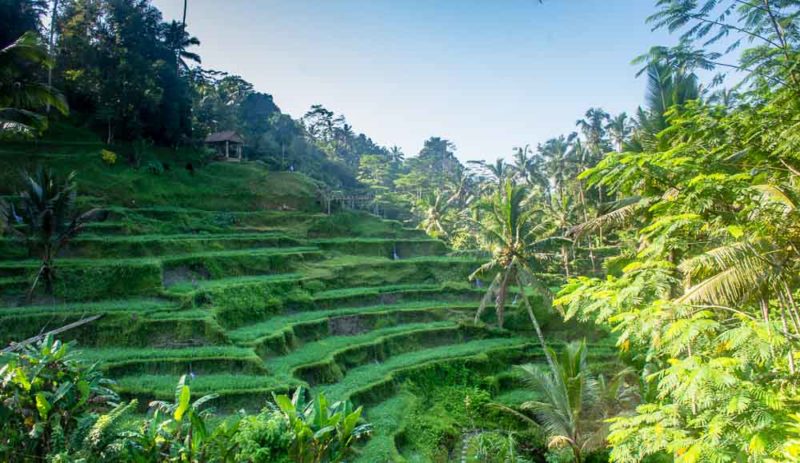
(671, 234)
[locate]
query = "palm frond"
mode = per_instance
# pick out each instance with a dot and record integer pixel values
(621, 215)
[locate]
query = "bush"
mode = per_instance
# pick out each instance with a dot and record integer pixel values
(54, 407)
(264, 438)
(47, 398)
(154, 167)
(108, 157)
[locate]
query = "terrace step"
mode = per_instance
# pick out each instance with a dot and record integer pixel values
(22, 322)
(179, 214)
(221, 264)
(391, 294)
(236, 391)
(404, 339)
(281, 334)
(192, 360)
(383, 247)
(119, 278)
(388, 420)
(327, 359)
(237, 301)
(134, 322)
(361, 271)
(162, 245)
(155, 245)
(363, 380)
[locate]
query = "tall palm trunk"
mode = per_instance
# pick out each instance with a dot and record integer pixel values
(582, 196)
(536, 326)
(502, 294)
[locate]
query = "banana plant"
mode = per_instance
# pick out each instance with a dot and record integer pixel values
(324, 432)
(45, 390)
(177, 430)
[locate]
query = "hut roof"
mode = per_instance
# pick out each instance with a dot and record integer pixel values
(227, 135)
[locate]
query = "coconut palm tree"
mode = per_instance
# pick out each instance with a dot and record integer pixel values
(593, 128)
(619, 129)
(558, 165)
(667, 86)
(571, 401)
(521, 161)
(496, 173)
(432, 211)
(48, 213)
(21, 96)
(396, 155)
(461, 188)
(179, 41)
(509, 229)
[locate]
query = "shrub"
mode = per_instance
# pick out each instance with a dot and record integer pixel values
(108, 157)
(154, 167)
(264, 438)
(47, 397)
(56, 408)
(321, 431)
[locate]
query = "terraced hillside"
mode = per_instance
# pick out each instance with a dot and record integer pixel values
(259, 301)
(251, 303)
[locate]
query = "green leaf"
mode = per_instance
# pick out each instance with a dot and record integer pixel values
(42, 405)
(736, 231)
(21, 379)
(84, 390)
(183, 403)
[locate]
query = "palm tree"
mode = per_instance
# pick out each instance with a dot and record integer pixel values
(509, 228)
(496, 173)
(555, 152)
(21, 96)
(582, 158)
(521, 163)
(572, 406)
(461, 188)
(47, 208)
(396, 155)
(593, 128)
(179, 41)
(432, 210)
(619, 128)
(559, 216)
(668, 85)
(757, 271)
(537, 174)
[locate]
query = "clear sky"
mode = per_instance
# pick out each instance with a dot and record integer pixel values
(488, 75)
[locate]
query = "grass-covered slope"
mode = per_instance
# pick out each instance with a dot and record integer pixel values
(231, 275)
(216, 186)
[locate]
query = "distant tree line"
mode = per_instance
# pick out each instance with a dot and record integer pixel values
(132, 77)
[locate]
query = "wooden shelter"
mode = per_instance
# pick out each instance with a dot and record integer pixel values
(227, 144)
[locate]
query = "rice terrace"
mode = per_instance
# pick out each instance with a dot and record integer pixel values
(191, 273)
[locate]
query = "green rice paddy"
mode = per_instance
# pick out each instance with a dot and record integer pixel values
(249, 303)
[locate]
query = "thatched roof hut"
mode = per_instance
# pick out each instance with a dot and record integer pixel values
(222, 142)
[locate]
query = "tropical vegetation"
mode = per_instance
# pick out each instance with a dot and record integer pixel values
(623, 292)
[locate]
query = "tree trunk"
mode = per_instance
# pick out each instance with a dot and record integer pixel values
(790, 355)
(585, 220)
(501, 298)
(536, 326)
(577, 453)
(51, 50)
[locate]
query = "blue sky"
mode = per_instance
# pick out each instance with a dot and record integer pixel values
(488, 75)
